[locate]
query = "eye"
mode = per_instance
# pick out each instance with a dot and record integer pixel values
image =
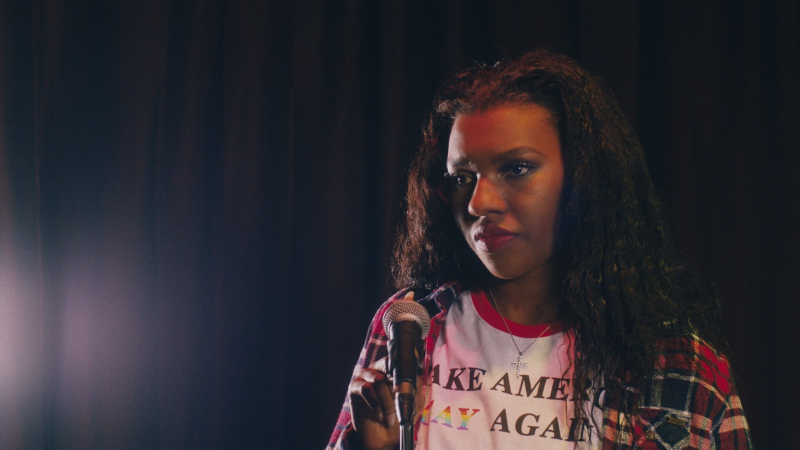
(458, 179)
(518, 169)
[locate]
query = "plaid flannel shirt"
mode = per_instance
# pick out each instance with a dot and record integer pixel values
(690, 403)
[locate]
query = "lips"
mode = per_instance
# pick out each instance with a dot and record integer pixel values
(490, 238)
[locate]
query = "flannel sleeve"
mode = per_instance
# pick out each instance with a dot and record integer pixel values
(716, 415)
(691, 402)
(374, 349)
(731, 431)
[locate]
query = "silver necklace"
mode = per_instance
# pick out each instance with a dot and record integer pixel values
(519, 364)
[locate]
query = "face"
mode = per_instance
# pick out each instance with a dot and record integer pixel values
(505, 172)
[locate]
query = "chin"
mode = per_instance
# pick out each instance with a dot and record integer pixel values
(501, 271)
(510, 269)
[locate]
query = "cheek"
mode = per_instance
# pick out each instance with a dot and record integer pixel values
(459, 204)
(548, 199)
(463, 221)
(463, 226)
(540, 216)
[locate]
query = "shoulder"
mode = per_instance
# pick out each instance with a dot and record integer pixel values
(690, 380)
(695, 360)
(690, 398)
(435, 300)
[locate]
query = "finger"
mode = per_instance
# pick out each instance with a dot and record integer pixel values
(371, 388)
(362, 392)
(375, 383)
(372, 375)
(383, 391)
(381, 365)
(379, 375)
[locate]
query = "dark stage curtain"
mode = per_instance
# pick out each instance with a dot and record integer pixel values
(198, 199)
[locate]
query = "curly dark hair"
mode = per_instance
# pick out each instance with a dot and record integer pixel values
(624, 283)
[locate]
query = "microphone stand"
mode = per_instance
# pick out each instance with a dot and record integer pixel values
(405, 409)
(407, 436)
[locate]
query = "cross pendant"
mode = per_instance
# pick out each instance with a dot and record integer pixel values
(519, 364)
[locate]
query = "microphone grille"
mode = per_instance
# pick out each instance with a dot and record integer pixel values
(407, 310)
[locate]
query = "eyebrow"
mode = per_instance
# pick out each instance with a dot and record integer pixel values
(512, 153)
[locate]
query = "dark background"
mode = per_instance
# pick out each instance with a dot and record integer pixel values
(198, 199)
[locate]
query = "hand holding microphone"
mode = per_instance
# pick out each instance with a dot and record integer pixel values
(384, 416)
(407, 323)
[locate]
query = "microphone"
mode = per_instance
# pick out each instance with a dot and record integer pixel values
(407, 323)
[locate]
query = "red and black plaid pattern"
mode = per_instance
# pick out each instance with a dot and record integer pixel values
(689, 403)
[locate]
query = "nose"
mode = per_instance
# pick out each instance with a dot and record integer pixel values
(486, 199)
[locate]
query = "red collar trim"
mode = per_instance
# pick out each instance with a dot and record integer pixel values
(492, 317)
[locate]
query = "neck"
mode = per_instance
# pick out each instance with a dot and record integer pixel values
(531, 300)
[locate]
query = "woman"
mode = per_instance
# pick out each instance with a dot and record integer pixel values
(562, 316)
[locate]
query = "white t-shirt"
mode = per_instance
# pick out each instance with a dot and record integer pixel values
(477, 397)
